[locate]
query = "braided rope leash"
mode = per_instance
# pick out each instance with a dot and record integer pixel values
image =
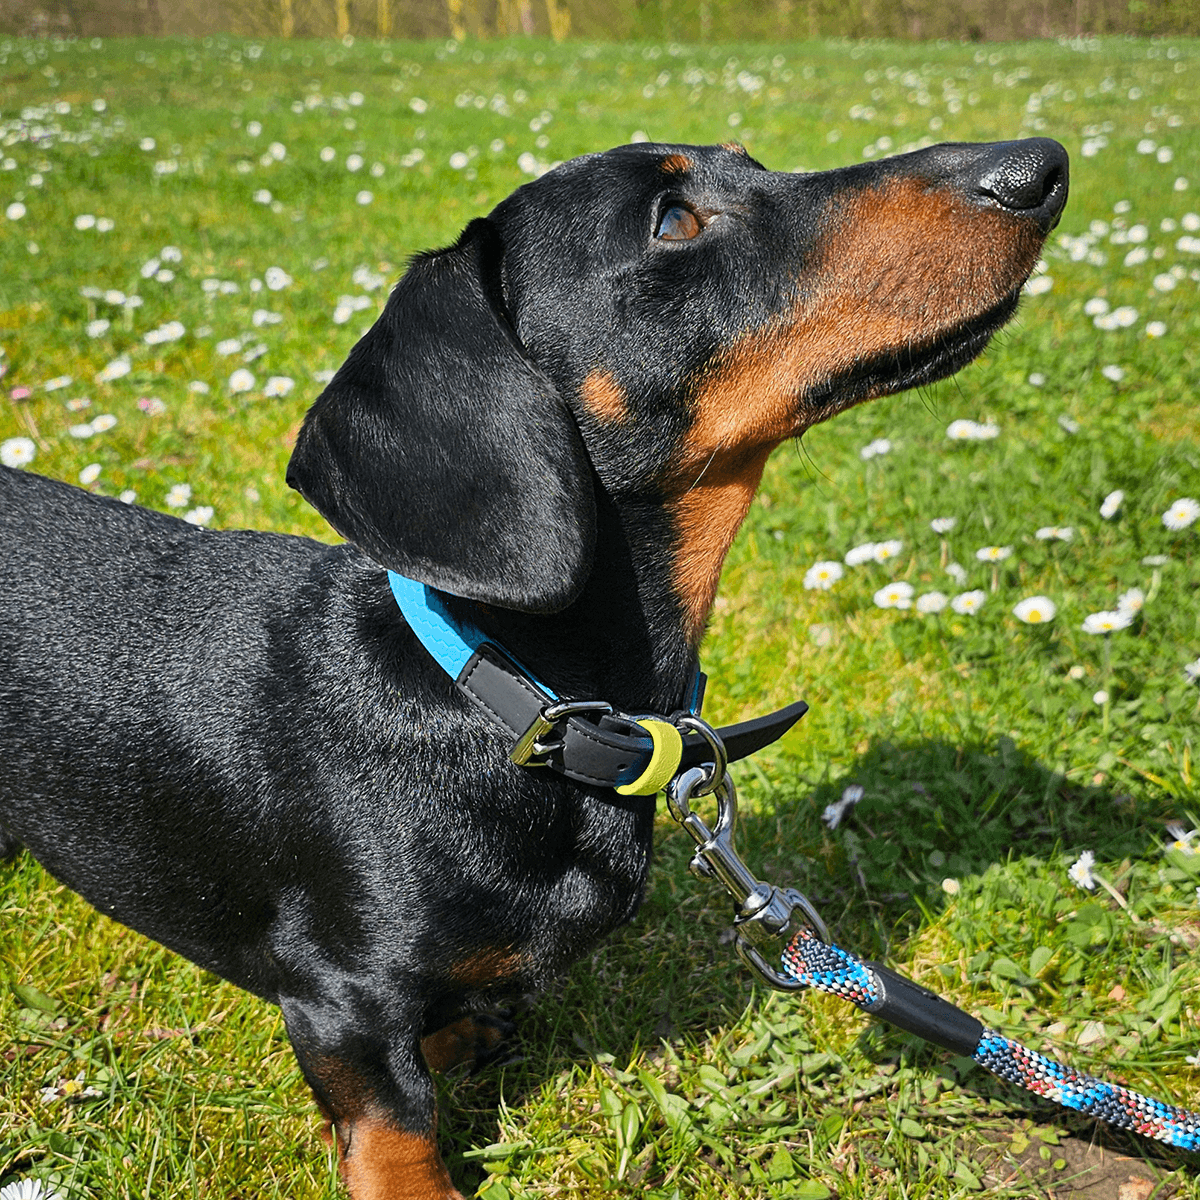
(813, 963)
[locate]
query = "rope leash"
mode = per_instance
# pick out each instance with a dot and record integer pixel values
(768, 918)
(828, 968)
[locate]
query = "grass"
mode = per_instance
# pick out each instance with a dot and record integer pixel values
(658, 1068)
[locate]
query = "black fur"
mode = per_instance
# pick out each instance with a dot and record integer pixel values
(231, 741)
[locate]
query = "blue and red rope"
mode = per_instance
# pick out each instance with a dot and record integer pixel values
(829, 968)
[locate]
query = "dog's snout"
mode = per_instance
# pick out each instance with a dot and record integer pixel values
(1027, 177)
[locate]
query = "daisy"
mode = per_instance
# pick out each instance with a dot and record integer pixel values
(943, 524)
(89, 474)
(823, 575)
(834, 813)
(895, 595)
(115, 370)
(887, 550)
(179, 495)
(1112, 504)
(103, 423)
(278, 385)
(875, 448)
(1131, 601)
(17, 451)
(1181, 839)
(1106, 622)
(993, 553)
(1035, 610)
(199, 516)
(957, 572)
(1192, 671)
(1055, 533)
(28, 1189)
(241, 380)
(1080, 871)
(968, 603)
(932, 602)
(1181, 514)
(858, 555)
(1068, 424)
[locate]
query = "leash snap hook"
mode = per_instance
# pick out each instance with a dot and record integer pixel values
(766, 917)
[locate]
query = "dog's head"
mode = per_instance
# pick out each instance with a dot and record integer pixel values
(654, 320)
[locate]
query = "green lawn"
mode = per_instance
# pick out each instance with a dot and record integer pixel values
(258, 199)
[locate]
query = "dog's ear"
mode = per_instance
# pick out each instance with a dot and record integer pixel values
(443, 451)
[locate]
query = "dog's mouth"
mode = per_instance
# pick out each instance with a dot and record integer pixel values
(887, 372)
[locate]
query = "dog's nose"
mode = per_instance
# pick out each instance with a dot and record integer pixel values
(1027, 177)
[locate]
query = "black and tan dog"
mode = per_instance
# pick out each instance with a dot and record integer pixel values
(232, 741)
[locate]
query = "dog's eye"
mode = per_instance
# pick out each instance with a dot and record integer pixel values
(677, 224)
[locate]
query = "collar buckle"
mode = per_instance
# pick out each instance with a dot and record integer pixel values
(530, 743)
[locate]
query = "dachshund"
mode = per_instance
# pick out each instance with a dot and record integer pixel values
(236, 742)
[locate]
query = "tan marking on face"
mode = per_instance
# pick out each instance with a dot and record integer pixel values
(898, 267)
(676, 164)
(385, 1163)
(462, 1041)
(707, 517)
(604, 397)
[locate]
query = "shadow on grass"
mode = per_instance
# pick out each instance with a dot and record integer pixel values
(930, 811)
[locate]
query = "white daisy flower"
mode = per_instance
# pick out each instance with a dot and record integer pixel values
(823, 575)
(200, 515)
(1181, 514)
(836, 812)
(968, 603)
(1080, 871)
(957, 572)
(1112, 504)
(858, 555)
(89, 474)
(1106, 622)
(30, 1189)
(1192, 671)
(1035, 610)
(887, 550)
(115, 370)
(1131, 601)
(278, 385)
(932, 602)
(1068, 424)
(103, 423)
(993, 553)
(895, 595)
(241, 380)
(179, 495)
(1055, 533)
(17, 451)
(943, 524)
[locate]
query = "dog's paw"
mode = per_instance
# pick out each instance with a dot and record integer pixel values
(475, 1040)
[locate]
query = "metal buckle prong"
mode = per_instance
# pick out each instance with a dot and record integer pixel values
(530, 743)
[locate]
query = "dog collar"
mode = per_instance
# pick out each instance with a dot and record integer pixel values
(586, 740)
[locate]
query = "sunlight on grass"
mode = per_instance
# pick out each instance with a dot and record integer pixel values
(194, 235)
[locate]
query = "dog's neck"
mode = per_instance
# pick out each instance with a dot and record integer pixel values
(628, 638)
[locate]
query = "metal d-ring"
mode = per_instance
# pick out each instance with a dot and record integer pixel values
(717, 770)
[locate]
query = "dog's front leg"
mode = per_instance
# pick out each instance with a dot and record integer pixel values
(371, 1082)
